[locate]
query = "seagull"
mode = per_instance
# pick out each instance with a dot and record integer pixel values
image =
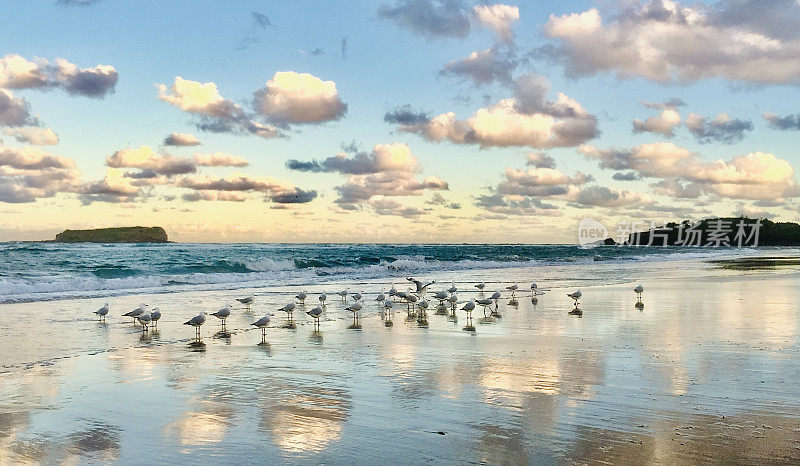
(155, 315)
(452, 288)
(354, 308)
(485, 303)
(247, 301)
(441, 296)
(196, 322)
(393, 291)
(639, 289)
(453, 299)
(102, 312)
(468, 308)
(495, 296)
(322, 298)
(288, 309)
(576, 296)
(381, 297)
(480, 286)
(512, 289)
(343, 294)
(420, 287)
(223, 314)
(315, 313)
(301, 297)
(423, 305)
(357, 296)
(144, 318)
(533, 287)
(262, 324)
(136, 312)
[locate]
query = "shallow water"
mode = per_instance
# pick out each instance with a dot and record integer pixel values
(706, 371)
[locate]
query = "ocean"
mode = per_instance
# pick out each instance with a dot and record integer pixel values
(47, 271)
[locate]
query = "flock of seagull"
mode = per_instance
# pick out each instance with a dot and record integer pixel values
(414, 298)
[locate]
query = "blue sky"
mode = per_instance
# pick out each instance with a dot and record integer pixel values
(389, 63)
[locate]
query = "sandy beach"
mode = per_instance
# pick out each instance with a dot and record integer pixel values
(705, 372)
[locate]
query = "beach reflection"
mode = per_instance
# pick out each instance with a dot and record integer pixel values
(206, 425)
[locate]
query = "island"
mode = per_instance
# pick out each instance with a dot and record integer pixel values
(717, 232)
(114, 235)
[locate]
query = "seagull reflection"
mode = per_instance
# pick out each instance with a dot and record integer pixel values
(639, 305)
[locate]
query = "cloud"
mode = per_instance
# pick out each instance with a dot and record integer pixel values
(539, 160)
(483, 67)
(430, 18)
(627, 176)
(146, 158)
(385, 206)
(29, 173)
(395, 157)
(217, 114)
(114, 187)
(343, 48)
(33, 135)
(665, 123)
(650, 41)
(525, 206)
(96, 82)
(756, 175)
(196, 196)
(181, 139)
(672, 103)
(720, 129)
(17, 72)
(601, 196)
(405, 115)
(276, 190)
(298, 98)
(782, 123)
(15, 111)
(524, 121)
(220, 159)
(439, 200)
(498, 18)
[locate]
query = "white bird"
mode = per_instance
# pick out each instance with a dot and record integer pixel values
(485, 303)
(393, 291)
(423, 305)
(196, 322)
(136, 312)
(262, 323)
(638, 290)
(247, 301)
(480, 286)
(288, 309)
(315, 313)
(354, 308)
(512, 289)
(144, 319)
(576, 296)
(452, 299)
(381, 297)
(495, 296)
(343, 293)
(155, 316)
(533, 287)
(223, 313)
(387, 304)
(357, 296)
(420, 287)
(469, 307)
(301, 297)
(441, 296)
(322, 298)
(102, 312)
(452, 288)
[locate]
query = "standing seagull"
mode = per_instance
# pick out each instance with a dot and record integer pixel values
(343, 293)
(452, 288)
(288, 309)
(322, 299)
(387, 313)
(357, 296)
(480, 286)
(513, 289)
(315, 313)
(262, 324)
(302, 297)
(136, 312)
(485, 303)
(102, 312)
(354, 308)
(638, 290)
(223, 314)
(144, 319)
(381, 297)
(247, 301)
(155, 316)
(196, 322)
(576, 296)
(468, 308)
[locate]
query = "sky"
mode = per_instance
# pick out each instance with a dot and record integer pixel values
(403, 121)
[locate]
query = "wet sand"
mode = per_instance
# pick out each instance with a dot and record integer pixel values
(707, 371)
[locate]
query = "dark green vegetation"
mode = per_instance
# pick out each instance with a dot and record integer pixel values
(114, 235)
(720, 232)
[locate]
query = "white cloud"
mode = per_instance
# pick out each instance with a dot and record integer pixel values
(181, 139)
(498, 18)
(220, 159)
(297, 98)
(33, 135)
(665, 123)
